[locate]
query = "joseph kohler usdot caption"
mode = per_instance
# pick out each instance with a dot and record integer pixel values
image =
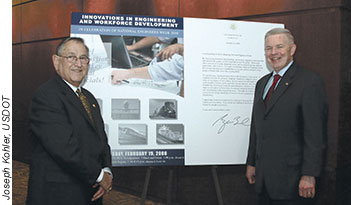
(6, 165)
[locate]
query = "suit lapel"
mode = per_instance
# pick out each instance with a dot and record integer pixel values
(283, 85)
(260, 90)
(92, 104)
(95, 113)
(73, 99)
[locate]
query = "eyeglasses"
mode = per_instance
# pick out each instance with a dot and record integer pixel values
(74, 59)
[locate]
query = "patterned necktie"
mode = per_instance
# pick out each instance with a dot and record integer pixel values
(271, 89)
(85, 103)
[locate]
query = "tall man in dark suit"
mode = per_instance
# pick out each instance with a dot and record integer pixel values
(70, 158)
(289, 127)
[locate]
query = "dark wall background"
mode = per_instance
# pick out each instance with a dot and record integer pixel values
(323, 34)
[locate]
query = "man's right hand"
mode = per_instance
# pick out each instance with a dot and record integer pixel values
(250, 174)
(118, 75)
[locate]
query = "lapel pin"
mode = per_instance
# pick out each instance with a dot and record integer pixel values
(286, 84)
(94, 105)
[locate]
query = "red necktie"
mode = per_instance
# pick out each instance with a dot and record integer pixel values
(271, 89)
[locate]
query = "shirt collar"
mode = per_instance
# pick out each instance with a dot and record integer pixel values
(283, 71)
(74, 88)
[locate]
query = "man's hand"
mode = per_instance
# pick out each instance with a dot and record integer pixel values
(99, 193)
(170, 50)
(118, 75)
(307, 186)
(106, 182)
(122, 75)
(104, 186)
(250, 174)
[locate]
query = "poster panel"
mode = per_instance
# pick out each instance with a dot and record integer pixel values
(223, 61)
(192, 108)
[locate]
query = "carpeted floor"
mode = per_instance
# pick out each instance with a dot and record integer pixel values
(19, 191)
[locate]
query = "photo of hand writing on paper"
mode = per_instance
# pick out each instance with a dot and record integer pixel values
(167, 63)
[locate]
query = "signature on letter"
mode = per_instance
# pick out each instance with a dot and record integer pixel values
(225, 120)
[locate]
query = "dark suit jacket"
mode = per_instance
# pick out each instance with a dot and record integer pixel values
(288, 138)
(67, 150)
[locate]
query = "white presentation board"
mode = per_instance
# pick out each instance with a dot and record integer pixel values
(196, 108)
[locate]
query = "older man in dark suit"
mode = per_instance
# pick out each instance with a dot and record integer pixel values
(70, 158)
(289, 127)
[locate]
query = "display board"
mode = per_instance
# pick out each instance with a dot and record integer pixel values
(193, 108)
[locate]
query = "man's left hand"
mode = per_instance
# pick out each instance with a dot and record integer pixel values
(99, 193)
(105, 186)
(106, 182)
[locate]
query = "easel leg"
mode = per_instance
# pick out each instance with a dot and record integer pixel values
(217, 186)
(169, 187)
(146, 185)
